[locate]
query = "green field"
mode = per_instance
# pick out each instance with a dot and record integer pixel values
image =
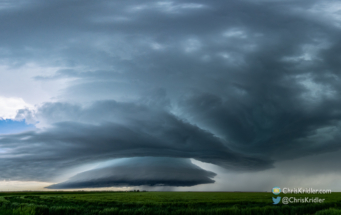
(105, 203)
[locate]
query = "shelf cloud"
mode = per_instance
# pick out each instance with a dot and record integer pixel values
(147, 171)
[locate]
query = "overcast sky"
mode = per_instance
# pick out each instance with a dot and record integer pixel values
(170, 95)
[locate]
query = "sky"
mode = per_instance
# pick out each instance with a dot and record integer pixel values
(217, 95)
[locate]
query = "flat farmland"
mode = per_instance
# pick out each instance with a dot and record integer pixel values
(105, 203)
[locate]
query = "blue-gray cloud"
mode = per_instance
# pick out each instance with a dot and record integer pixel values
(240, 84)
(108, 130)
(141, 172)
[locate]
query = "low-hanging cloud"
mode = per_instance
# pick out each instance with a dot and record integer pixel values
(146, 171)
(108, 130)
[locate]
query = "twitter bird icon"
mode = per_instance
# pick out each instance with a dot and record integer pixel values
(276, 200)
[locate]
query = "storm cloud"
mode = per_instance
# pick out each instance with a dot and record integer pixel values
(120, 130)
(239, 84)
(141, 171)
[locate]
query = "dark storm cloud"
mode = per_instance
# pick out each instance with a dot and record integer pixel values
(140, 171)
(204, 80)
(108, 130)
(88, 33)
(283, 128)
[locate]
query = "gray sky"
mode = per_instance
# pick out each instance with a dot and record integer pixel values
(221, 95)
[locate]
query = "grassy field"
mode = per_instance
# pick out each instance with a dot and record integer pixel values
(105, 203)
